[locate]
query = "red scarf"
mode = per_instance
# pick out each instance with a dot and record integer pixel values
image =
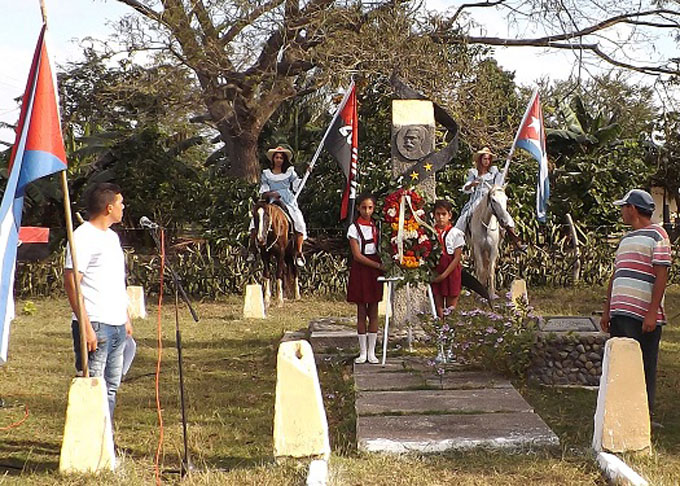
(441, 231)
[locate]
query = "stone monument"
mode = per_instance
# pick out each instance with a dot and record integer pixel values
(412, 139)
(413, 126)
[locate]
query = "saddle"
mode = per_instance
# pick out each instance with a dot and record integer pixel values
(276, 200)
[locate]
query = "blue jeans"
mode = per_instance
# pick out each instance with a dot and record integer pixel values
(107, 360)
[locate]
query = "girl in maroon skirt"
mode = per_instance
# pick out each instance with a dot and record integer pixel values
(363, 287)
(446, 285)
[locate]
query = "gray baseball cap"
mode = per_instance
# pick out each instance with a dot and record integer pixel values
(638, 198)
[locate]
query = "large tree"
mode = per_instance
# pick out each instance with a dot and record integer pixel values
(249, 56)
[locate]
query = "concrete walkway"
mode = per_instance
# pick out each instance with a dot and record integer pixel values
(405, 407)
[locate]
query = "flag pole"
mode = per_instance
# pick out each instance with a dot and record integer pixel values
(323, 140)
(514, 142)
(69, 236)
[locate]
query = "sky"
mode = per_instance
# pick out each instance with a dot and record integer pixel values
(73, 20)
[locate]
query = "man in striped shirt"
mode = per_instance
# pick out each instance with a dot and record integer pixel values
(634, 306)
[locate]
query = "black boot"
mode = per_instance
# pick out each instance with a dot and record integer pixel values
(516, 241)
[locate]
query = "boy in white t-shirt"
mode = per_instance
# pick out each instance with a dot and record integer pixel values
(101, 272)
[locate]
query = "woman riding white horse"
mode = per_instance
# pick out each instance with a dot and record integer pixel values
(278, 184)
(480, 179)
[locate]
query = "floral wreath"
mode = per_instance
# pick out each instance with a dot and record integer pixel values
(416, 244)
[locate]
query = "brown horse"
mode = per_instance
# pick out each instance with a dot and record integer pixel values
(272, 239)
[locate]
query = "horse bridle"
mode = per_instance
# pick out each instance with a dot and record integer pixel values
(490, 203)
(267, 211)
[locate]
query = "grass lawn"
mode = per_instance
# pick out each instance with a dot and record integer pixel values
(230, 380)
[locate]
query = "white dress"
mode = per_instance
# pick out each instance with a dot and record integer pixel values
(284, 183)
(477, 194)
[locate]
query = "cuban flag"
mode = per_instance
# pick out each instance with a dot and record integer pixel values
(531, 137)
(38, 151)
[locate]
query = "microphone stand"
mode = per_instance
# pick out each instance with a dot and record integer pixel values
(179, 292)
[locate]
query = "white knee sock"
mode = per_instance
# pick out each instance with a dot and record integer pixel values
(362, 349)
(372, 338)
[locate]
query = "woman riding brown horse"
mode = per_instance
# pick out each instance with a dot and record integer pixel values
(272, 239)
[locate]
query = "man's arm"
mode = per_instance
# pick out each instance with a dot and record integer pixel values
(128, 325)
(660, 280)
(70, 288)
(604, 320)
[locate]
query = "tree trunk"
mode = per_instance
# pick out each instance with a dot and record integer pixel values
(239, 134)
(242, 153)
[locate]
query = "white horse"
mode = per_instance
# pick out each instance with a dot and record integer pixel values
(485, 234)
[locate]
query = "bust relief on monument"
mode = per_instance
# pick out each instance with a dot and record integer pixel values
(413, 142)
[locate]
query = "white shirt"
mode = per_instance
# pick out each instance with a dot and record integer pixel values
(102, 264)
(367, 231)
(454, 239)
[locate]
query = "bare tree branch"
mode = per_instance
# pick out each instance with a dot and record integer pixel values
(546, 40)
(464, 6)
(203, 18)
(143, 9)
(241, 24)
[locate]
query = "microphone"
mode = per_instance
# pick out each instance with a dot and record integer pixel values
(145, 222)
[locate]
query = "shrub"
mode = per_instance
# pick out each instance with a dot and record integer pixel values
(499, 340)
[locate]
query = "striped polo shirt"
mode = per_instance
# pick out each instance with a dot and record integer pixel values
(636, 256)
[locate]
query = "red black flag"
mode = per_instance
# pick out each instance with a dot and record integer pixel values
(343, 144)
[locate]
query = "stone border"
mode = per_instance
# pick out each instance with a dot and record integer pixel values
(617, 471)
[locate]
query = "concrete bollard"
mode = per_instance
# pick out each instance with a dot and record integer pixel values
(318, 473)
(622, 415)
(88, 438)
(136, 305)
(300, 425)
(518, 289)
(253, 306)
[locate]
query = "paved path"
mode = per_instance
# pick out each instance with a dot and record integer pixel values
(404, 406)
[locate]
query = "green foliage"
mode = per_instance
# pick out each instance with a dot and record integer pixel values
(498, 340)
(667, 158)
(29, 308)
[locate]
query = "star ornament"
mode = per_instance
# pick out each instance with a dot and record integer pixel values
(414, 175)
(428, 167)
(535, 125)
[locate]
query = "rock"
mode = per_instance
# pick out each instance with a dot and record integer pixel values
(583, 358)
(563, 354)
(580, 348)
(594, 356)
(589, 365)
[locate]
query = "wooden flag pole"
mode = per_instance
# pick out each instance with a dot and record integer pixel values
(69, 236)
(80, 312)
